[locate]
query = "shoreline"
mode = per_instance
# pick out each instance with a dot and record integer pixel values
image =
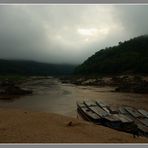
(22, 126)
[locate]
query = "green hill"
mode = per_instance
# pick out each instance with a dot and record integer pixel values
(128, 57)
(22, 67)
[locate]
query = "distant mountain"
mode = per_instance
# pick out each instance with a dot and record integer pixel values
(33, 68)
(127, 57)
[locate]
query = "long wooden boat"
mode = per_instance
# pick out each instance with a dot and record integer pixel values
(103, 106)
(116, 121)
(95, 108)
(134, 112)
(128, 119)
(144, 121)
(123, 118)
(143, 112)
(139, 119)
(113, 110)
(119, 122)
(87, 114)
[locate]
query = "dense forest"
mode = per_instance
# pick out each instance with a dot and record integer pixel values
(128, 57)
(8, 67)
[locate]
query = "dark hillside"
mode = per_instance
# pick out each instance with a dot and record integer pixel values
(128, 57)
(33, 68)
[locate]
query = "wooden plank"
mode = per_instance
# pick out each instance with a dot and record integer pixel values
(124, 118)
(103, 106)
(122, 110)
(87, 111)
(139, 124)
(100, 103)
(112, 118)
(144, 121)
(90, 113)
(113, 110)
(98, 111)
(89, 103)
(142, 128)
(134, 112)
(143, 112)
(95, 108)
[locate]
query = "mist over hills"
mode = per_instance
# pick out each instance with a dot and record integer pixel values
(128, 57)
(24, 67)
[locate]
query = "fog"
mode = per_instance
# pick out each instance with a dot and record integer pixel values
(66, 33)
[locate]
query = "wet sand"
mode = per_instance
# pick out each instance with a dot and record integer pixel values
(20, 126)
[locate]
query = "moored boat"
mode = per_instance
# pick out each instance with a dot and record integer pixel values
(127, 119)
(87, 114)
(133, 112)
(143, 112)
(95, 108)
(139, 119)
(117, 121)
(103, 106)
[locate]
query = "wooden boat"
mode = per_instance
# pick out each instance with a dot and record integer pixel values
(95, 108)
(102, 113)
(120, 122)
(128, 119)
(116, 121)
(143, 112)
(113, 110)
(103, 106)
(122, 110)
(123, 118)
(139, 119)
(144, 121)
(111, 121)
(87, 114)
(143, 130)
(134, 112)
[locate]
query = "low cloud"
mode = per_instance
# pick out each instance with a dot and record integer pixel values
(66, 33)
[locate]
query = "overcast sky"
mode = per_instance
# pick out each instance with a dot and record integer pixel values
(66, 33)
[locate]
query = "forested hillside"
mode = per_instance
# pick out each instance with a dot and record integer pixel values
(128, 57)
(8, 67)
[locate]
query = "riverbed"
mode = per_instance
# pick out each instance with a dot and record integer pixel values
(50, 95)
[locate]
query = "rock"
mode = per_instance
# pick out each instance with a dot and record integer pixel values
(15, 90)
(141, 87)
(10, 88)
(69, 123)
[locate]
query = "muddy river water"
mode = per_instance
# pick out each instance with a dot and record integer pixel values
(50, 95)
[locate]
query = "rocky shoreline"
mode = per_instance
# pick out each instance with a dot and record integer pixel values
(124, 83)
(11, 89)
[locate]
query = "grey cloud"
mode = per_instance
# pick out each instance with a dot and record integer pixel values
(66, 33)
(134, 18)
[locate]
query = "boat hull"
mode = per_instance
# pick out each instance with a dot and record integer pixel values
(87, 114)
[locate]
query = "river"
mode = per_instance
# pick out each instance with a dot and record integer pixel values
(50, 95)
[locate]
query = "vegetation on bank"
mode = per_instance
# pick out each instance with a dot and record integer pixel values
(128, 57)
(25, 68)
(12, 77)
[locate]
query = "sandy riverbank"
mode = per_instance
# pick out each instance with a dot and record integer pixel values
(18, 126)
